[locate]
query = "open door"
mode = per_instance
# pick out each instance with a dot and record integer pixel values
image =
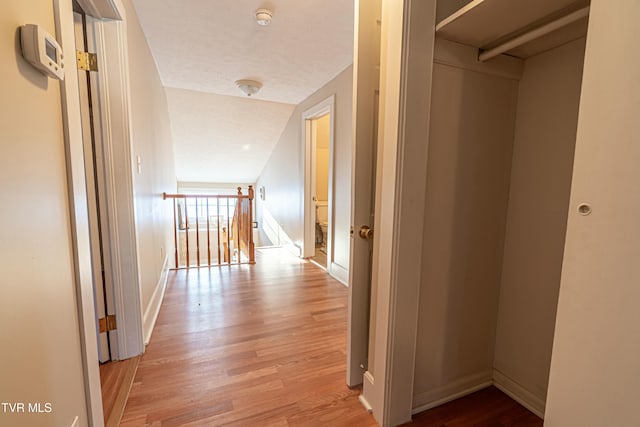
(94, 175)
(366, 80)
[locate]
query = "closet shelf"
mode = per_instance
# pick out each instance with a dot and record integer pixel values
(488, 23)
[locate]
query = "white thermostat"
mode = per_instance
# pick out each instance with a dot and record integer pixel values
(42, 50)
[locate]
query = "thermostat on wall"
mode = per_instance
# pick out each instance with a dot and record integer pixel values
(42, 50)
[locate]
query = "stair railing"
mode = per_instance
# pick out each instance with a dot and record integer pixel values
(204, 233)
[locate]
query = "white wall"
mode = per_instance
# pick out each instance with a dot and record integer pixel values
(152, 142)
(212, 188)
(323, 125)
(595, 374)
(546, 125)
(221, 138)
(40, 360)
(283, 176)
(470, 148)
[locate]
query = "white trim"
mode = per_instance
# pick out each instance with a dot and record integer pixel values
(153, 309)
(366, 83)
(113, 80)
(277, 235)
(101, 9)
(450, 398)
(339, 273)
(78, 209)
(365, 403)
(407, 51)
(451, 391)
(518, 393)
(293, 249)
(327, 106)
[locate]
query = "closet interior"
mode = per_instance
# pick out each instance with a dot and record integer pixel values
(504, 111)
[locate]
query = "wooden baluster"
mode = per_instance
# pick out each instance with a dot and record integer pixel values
(225, 245)
(197, 235)
(227, 251)
(239, 228)
(218, 222)
(208, 236)
(186, 229)
(239, 224)
(252, 249)
(175, 230)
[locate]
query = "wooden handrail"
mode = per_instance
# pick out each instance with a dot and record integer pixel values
(235, 233)
(166, 196)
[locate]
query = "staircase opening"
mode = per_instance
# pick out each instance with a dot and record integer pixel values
(212, 229)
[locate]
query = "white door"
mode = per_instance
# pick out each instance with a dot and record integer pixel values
(366, 84)
(595, 373)
(95, 182)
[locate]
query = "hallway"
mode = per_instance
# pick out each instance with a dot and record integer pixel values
(248, 345)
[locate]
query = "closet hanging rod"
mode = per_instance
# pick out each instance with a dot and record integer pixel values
(533, 34)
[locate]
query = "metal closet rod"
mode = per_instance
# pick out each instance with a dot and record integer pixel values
(533, 34)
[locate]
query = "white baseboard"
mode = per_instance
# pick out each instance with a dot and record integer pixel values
(339, 273)
(367, 389)
(293, 249)
(277, 235)
(151, 312)
(365, 403)
(518, 393)
(441, 395)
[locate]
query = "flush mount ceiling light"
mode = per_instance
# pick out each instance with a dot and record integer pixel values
(263, 17)
(249, 87)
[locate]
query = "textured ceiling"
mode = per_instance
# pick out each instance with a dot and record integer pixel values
(203, 46)
(223, 139)
(206, 45)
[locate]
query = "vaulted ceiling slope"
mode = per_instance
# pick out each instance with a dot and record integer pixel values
(223, 139)
(201, 47)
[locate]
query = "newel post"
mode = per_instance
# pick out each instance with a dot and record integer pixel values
(252, 255)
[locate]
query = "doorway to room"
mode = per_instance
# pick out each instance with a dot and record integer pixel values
(320, 129)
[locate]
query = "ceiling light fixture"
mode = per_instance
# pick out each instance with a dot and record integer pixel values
(249, 87)
(263, 17)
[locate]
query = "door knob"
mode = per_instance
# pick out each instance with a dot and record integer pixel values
(365, 232)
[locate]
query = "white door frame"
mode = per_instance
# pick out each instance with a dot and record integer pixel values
(115, 100)
(103, 292)
(366, 83)
(407, 47)
(116, 132)
(322, 108)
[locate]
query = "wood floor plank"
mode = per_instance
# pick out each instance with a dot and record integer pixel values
(116, 379)
(248, 345)
(265, 345)
(485, 408)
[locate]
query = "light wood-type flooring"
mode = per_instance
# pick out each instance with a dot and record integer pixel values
(260, 345)
(264, 345)
(115, 380)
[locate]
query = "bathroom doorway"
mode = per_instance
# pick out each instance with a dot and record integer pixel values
(318, 129)
(320, 137)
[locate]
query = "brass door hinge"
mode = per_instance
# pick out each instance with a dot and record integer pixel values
(87, 61)
(107, 323)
